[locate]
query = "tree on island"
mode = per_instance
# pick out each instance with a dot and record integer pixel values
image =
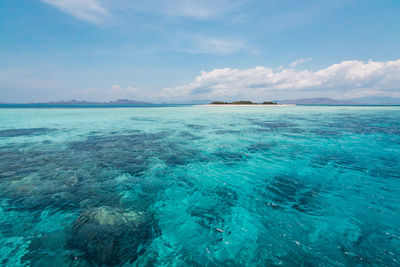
(219, 103)
(243, 102)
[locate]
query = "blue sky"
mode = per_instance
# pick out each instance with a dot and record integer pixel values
(182, 50)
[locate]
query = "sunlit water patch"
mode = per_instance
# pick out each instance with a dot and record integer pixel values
(194, 186)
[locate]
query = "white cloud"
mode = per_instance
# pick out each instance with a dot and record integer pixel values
(92, 11)
(348, 78)
(98, 11)
(300, 61)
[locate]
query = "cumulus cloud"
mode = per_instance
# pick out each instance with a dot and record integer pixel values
(343, 80)
(92, 11)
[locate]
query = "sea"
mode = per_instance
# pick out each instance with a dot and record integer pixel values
(199, 186)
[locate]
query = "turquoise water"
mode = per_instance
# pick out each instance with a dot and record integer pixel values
(195, 186)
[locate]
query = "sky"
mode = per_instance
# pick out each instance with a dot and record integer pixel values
(187, 50)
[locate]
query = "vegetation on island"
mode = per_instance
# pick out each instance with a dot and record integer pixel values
(243, 102)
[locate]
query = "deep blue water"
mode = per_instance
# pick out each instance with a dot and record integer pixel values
(195, 186)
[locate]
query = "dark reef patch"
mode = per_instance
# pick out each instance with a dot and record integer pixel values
(76, 179)
(325, 132)
(283, 126)
(222, 200)
(186, 182)
(42, 248)
(227, 131)
(339, 160)
(229, 157)
(364, 125)
(307, 201)
(128, 153)
(207, 217)
(289, 191)
(196, 126)
(189, 136)
(34, 179)
(180, 156)
(108, 236)
(284, 188)
(260, 147)
(25, 132)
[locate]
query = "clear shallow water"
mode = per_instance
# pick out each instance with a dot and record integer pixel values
(209, 186)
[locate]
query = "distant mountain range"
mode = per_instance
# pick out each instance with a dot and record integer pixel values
(116, 102)
(381, 100)
(354, 101)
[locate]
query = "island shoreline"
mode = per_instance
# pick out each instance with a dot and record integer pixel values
(245, 105)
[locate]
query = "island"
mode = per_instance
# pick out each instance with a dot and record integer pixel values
(245, 103)
(242, 102)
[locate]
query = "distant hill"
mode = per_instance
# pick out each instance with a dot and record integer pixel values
(128, 102)
(116, 102)
(317, 101)
(355, 101)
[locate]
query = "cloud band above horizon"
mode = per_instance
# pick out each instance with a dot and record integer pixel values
(347, 79)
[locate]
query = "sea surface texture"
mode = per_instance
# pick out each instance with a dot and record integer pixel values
(200, 186)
